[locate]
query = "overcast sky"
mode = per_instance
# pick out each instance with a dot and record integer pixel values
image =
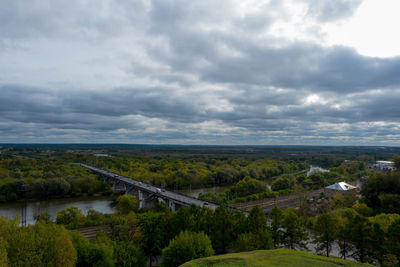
(245, 72)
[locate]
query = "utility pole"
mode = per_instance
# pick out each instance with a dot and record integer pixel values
(24, 189)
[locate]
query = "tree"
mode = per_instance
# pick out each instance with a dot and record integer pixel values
(325, 231)
(96, 253)
(125, 228)
(43, 216)
(295, 232)
(360, 233)
(69, 216)
(276, 216)
(223, 229)
(152, 240)
(396, 160)
(128, 254)
(393, 239)
(343, 236)
(257, 221)
(126, 204)
(254, 241)
(41, 245)
(55, 245)
(185, 247)
(280, 184)
(3, 252)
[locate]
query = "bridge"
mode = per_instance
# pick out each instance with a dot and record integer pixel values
(147, 193)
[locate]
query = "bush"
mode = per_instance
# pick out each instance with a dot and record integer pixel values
(126, 204)
(96, 253)
(128, 254)
(281, 184)
(185, 247)
(254, 241)
(70, 216)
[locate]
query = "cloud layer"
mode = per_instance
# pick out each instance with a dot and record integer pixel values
(198, 72)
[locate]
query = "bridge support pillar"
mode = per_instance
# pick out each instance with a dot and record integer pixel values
(140, 198)
(171, 205)
(118, 187)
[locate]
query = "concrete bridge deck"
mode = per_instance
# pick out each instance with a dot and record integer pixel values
(146, 191)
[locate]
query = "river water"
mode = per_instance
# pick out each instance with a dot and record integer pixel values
(101, 204)
(53, 206)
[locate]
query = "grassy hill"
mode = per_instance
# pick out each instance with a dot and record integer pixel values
(267, 258)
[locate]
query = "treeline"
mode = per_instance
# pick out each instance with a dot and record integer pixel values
(179, 173)
(382, 192)
(50, 175)
(189, 233)
(45, 178)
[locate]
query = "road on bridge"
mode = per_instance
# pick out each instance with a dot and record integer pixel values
(162, 193)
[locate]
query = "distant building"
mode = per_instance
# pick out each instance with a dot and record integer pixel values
(340, 187)
(101, 155)
(383, 165)
(315, 169)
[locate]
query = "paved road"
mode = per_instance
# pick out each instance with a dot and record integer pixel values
(176, 197)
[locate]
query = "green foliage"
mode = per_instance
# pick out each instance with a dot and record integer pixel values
(363, 209)
(396, 160)
(384, 220)
(382, 192)
(3, 253)
(39, 245)
(128, 254)
(247, 186)
(152, 241)
(295, 232)
(393, 236)
(254, 241)
(276, 217)
(127, 203)
(325, 231)
(50, 187)
(223, 229)
(125, 228)
(44, 217)
(214, 197)
(70, 216)
(96, 253)
(360, 234)
(257, 221)
(281, 184)
(185, 247)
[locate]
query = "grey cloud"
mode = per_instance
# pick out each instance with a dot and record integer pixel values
(330, 10)
(197, 72)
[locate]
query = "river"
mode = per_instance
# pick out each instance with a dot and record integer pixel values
(101, 204)
(53, 206)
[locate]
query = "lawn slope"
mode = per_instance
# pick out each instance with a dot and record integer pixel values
(267, 258)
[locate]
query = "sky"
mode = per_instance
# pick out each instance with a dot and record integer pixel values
(227, 72)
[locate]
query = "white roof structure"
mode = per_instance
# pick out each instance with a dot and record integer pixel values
(341, 186)
(384, 162)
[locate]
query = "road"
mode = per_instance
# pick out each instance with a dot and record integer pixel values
(163, 193)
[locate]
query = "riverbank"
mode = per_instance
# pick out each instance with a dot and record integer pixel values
(53, 206)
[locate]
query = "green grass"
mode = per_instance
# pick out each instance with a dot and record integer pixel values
(269, 258)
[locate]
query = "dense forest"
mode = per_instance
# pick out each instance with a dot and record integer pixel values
(35, 173)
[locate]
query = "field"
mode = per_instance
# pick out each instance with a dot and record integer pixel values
(267, 258)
